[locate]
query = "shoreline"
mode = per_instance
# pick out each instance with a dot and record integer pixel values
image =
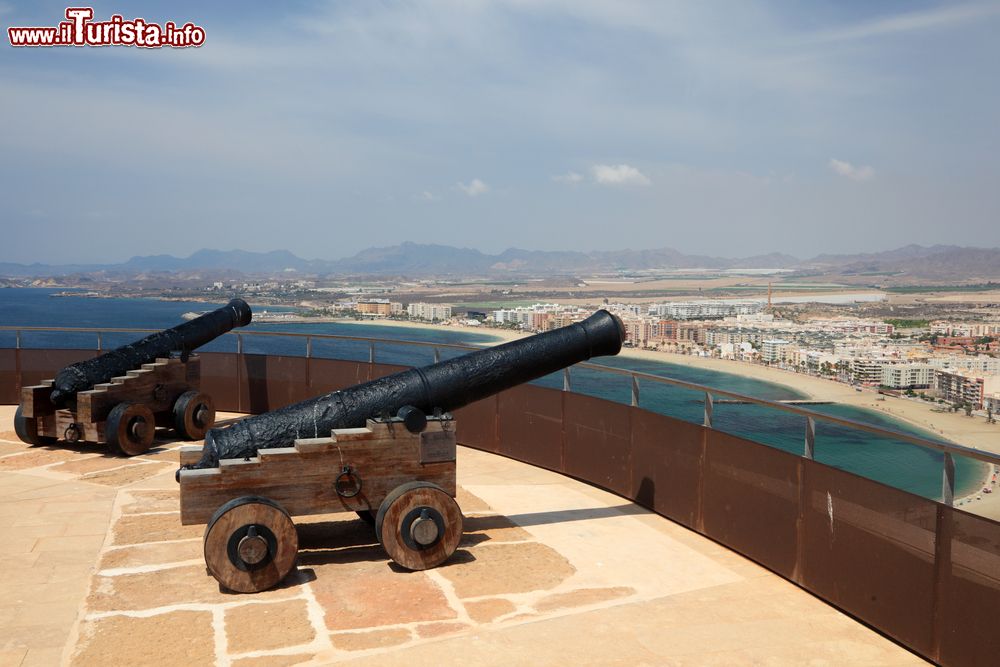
(953, 427)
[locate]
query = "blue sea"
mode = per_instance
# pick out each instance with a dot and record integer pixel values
(889, 461)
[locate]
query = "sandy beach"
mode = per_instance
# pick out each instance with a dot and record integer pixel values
(954, 427)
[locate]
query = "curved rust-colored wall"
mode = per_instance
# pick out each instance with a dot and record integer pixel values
(923, 573)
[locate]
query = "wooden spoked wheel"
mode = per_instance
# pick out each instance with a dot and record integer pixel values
(130, 428)
(194, 414)
(250, 544)
(26, 429)
(419, 525)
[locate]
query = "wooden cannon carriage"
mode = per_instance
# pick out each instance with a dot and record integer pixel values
(250, 478)
(123, 412)
(401, 480)
(121, 396)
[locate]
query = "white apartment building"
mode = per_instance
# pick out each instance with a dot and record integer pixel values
(429, 311)
(772, 351)
(537, 316)
(732, 335)
(947, 328)
(816, 361)
(696, 310)
(907, 376)
(980, 364)
(736, 351)
(976, 329)
(853, 325)
(868, 370)
(508, 315)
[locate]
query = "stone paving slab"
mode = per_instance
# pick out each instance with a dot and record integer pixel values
(98, 570)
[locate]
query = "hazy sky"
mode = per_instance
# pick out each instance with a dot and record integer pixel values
(726, 128)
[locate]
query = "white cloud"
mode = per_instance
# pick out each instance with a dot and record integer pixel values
(910, 22)
(474, 188)
(855, 173)
(620, 174)
(571, 177)
(428, 196)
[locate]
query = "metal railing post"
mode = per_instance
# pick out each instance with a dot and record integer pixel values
(371, 352)
(708, 410)
(566, 382)
(309, 347)
(437, 355)
(948, 480)
(18, 383)
(810, 449)
(239, 372)
(100, 346)
(635, 392)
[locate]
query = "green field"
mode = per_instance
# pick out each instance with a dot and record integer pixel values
(917, 289)
(900, 323)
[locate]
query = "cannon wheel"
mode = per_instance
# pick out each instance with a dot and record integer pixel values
(130, 428)
(194, 414)
(26, 429)
(250, 544)
(419, 525)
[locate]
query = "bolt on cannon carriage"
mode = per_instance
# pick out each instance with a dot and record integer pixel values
(121, 396)
(384, 449)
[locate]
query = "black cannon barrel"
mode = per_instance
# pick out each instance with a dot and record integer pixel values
(447, 385)
(183, 338)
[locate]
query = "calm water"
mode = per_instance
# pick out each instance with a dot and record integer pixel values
(892, 462)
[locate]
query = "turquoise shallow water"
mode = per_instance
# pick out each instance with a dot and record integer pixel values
(890, 461)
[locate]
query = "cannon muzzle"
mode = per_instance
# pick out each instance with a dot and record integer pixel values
(182, 338)
(444, 386)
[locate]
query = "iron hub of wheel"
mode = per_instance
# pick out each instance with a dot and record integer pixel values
(137, 427)
(251, 547)
(422, 527)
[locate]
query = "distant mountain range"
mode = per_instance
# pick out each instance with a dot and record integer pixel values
(414, 259)
(421, 259)
(933, 261)
(212, 261)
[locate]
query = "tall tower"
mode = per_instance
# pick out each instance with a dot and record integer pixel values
(769, 284)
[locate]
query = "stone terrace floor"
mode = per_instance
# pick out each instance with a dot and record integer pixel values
(96, 569)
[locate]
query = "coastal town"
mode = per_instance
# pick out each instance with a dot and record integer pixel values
(953, 364)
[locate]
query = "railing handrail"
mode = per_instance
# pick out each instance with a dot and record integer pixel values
(244, 332)
(949, 448)
(940, 445)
